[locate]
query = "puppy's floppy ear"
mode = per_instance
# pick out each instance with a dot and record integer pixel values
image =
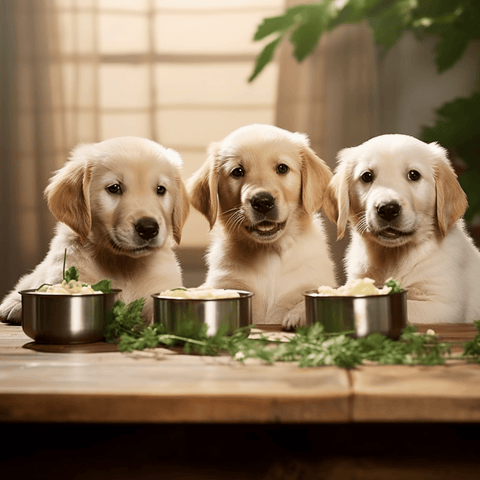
(180, 212)
(337, 198)
(181, 204)
(202, 187)
(451, 199)
(68, 192)
(315, 177)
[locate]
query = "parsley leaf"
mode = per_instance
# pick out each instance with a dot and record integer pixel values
(104, 286)
(124, 320)
(395, 285)
(472, 348)
(310, 346)
(71, 274)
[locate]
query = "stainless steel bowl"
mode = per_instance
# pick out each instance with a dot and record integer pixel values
(233, 312)
(385, 314)
(65, 319)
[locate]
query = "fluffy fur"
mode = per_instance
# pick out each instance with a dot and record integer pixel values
(119, 203)
(404, 205)
(259, 189)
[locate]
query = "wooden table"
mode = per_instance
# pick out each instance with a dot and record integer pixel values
(96, 383)
(92, 411)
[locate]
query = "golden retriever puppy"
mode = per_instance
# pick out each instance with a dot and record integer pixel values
(120, 204)
(259, 189)
(404, 205)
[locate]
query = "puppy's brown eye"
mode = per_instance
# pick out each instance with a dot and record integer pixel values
(367, 177)
(161, 190)
(282, 169)
(237, 172)
(116, 189)
(413, 175)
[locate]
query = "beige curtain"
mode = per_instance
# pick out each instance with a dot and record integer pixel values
(30, 132)
(331, 96)
(75, 71)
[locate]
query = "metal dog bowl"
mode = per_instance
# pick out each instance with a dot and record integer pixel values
(65, 319)
(215, 312)
(385, 314)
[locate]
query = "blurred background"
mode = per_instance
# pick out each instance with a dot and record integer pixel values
(176, 71)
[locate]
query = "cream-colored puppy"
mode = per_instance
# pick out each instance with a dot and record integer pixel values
(259, 189)
(404, 205)
(119, 203)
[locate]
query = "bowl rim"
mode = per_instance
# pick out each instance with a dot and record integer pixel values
(243, 294)
(33, 292)
(314, 294)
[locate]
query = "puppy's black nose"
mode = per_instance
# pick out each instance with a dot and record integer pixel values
(147, 228)
(389, 211)
(262, 202)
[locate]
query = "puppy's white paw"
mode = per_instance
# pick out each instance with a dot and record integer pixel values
(11, 309)
(296, 317)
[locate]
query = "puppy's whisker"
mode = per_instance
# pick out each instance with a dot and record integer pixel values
(233, 209)
(362, 225)
(235, 220)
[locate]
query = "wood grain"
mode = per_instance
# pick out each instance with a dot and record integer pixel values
(161, 386)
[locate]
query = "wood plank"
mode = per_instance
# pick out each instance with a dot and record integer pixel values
(397, 393)
(162, 387)
(458, 332)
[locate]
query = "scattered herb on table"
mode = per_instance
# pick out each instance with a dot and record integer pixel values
(471, 349)
(126, 327)
(125, 320)
(309, 347)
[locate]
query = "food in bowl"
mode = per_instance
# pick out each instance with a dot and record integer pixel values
(230, 309)
(200, 293)
(66, 319)
(73, 287)
(363, 286)
(359, 307)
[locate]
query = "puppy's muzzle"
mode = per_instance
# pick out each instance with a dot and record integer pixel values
(262, 202)
(147, 228)
(389, 211)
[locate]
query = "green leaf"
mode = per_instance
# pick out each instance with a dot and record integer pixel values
(149, 339)
(273, 25)
(472, 348)
(389, 23)
(354, 11)
(451, 48)
(436, 9)
(104, 286)
(470, 181)
(305, 38)
(457, 125)
(457, 128)
(264, 57)
(315, 20)
(395, 285)
(124, 319)
(71, 274)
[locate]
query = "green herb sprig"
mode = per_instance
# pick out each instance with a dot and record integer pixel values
(309, 347)
(471, 350)
(396, 286)
(104, 286)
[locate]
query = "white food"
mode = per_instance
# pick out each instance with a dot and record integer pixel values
(200, 293)
(364, 286)
(71, 288)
